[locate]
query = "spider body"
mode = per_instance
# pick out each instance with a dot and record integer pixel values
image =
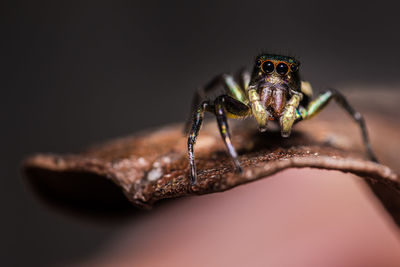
(274, 91)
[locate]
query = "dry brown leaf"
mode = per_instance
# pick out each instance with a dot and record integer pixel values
(153, 165)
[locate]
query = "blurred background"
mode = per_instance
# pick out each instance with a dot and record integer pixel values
(77, 73)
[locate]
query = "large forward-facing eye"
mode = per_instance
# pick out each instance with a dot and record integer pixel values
(268, 67)
(282, 68)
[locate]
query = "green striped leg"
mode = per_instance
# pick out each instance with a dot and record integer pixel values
(323, 99)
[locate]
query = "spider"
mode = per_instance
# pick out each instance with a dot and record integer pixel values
(274, 91)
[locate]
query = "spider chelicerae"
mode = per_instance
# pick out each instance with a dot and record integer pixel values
(274, 91)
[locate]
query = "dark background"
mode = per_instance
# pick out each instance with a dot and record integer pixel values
(77, 73)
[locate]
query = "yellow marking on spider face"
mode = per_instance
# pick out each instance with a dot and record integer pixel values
(274, 79)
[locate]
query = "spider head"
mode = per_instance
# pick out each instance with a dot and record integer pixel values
(274, 78)
(275, 67)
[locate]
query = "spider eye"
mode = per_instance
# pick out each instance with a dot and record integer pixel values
(258, 63)
(268, 67)
(294, 67)
(282, 68)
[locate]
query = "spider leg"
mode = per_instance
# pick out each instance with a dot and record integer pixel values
(194, 132)
(230, 87)
(323, 99)
(244, 78)
(289, 114)
(226, 105)
(223, 105)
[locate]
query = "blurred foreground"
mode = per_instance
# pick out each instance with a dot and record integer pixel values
(299, 217)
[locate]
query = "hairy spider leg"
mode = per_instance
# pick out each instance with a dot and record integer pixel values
(259, 112)
(226, 105)
(294, 109)
(223, 106)
(194, 132)
(224, 129)
(230, 87)
(323, 99)
(289, 113)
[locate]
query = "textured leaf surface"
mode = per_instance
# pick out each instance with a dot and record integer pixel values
(153, 165)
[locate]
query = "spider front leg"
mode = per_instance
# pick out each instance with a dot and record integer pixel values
(323, 99)
(230, 87)
(194, 132)
(226, 104)
(290, 114)
(222, 106)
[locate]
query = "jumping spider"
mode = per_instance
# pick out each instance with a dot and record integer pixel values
(274, 91)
